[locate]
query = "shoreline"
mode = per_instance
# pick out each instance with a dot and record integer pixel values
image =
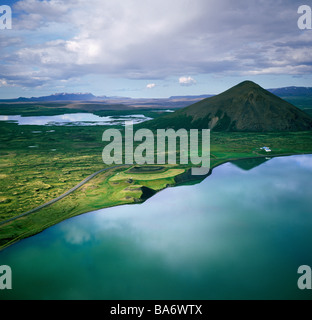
(89, 178)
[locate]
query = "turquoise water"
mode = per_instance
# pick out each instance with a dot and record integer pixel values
(240, 234)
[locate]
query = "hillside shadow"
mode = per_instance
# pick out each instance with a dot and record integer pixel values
(249, 164)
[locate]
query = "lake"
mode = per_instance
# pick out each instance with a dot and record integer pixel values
(75, 119)
(242, 233)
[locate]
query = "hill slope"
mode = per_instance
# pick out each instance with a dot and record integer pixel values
(245, 107)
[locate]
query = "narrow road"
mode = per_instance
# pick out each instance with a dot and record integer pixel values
(118, 166)
(61, 196)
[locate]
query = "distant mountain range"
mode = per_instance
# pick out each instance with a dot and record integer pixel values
(292, 91)
(61, 97)
(245, 107)
(57, 97)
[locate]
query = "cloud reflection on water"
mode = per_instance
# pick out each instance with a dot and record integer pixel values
(82, 119)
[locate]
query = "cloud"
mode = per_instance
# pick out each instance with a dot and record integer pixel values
(187, 81)
(35, 14)
(75, 235)
(3, 83)
(145, 39)
(151, 86)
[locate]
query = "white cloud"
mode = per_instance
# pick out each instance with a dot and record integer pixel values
(3, 83)
(151, 86)
(187, 81)
(34, 14)
(148, 39)
(304, 161)
(75, 235)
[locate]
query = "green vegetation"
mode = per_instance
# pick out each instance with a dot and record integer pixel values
(64, 156)
(144, 176)
(28, 109)
(37, 167)
(146, 169)
(244, 108)
(300, 102)
(40, 163)
(35, 109)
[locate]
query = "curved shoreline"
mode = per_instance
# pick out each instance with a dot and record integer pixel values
(264, 156)
(80, 184)
(113, 167)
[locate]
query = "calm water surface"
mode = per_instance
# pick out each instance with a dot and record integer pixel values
(240, 234)
(74, 119)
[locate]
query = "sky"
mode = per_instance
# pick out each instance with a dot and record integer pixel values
(152, 48)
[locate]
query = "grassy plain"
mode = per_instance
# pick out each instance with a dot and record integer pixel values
(39, 163)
